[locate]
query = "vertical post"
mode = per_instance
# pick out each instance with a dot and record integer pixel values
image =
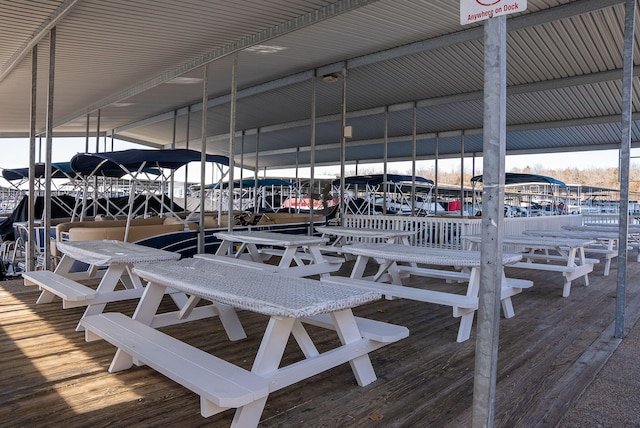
(203, 154)
(312, 153)
(86, 137)
(173, 146)
(98, 133)
(48, 149)
(186, 167)
(232, 134)
(385, 157)
(461, 173)
(32, 153)
(494, 142)
(625, 154)
(435, 179)
(414, 151)
(256, 171)
(343, 142)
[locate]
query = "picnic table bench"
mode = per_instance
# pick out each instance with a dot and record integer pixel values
(220, 384)
(117, 256)
(570, 254)
(604, 243)
(300, 250)
(391, 269)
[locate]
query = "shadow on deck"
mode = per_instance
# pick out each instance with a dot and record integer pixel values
(549, 353)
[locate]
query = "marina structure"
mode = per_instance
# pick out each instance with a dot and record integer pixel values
(286, 84)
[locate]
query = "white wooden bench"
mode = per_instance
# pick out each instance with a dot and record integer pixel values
(300, 255)
(463, 306)
(220, 385)
(569, 273)
(390, 256)
(53, 284)
(369, 329)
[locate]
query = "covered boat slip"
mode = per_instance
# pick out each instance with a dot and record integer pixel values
(410, 87)
(549, 352)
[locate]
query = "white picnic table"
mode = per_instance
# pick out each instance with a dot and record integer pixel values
(397, 260)
(289, 302)
(633, 232)
(570, 253)
(119, 258)
(606, 242)
(342, 234)
(301, 250)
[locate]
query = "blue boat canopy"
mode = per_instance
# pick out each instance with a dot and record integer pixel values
(250, 182)
(376, 179)
(516, 178)
(23, 173)
(107, 163)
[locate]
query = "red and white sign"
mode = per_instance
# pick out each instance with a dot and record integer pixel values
(478, 10)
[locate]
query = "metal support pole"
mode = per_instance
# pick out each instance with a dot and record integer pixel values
(414, 151)
(173, 146)
(256, 171)
(343, 142)
(86, 137)
(494, 142)
(203, 155)
(98, 133)
(48, 149)
(385, 157)
(435, 179)
(461, 173)
(32, 154)
(232, 134)
(625, 154)
(186, 167)
(312, 154)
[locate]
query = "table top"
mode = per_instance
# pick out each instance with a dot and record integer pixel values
(538, 241)
(575, 234)
(425, 255)
(270, 238)
(107, 252)
(633, 228)
(254, 290)
(364, 232)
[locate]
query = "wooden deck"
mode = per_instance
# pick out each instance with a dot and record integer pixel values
(52, 377)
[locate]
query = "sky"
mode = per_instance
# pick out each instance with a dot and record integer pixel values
(16, 155)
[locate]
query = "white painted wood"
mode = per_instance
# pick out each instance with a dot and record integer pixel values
(53, 284)
(217, 381)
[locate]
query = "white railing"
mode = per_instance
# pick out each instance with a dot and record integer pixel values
(448, 232)
(607, 218)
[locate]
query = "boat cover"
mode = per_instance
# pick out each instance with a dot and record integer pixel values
(23, 173)
(250, 182)
(516, 178)
(376, 179)
(132, 159)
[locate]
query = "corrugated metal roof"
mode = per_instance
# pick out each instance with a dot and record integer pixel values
(140, 63)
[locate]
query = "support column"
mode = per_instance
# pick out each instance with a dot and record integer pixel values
(494, 142)
(625, 155)
(48, 149)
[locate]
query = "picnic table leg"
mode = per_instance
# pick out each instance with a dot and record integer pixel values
(607, 263)
(144, 313)
(507, 304)
(359, 266)
(63, 268)
(107, 284)
(348, 332)
(223, 249)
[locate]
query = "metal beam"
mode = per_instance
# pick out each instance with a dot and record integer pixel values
(41, 32)
(295, 24)
(529, 20)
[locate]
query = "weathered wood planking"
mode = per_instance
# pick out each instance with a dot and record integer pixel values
(51, 376)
